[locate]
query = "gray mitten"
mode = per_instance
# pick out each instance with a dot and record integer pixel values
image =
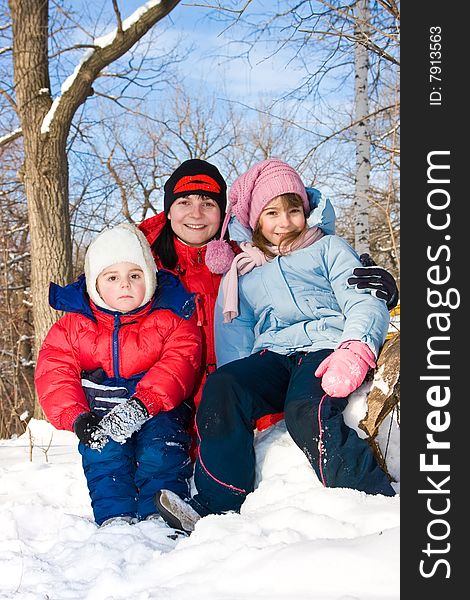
(124, 420)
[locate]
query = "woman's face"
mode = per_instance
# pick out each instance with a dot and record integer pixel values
(278, 219)
(194, 219)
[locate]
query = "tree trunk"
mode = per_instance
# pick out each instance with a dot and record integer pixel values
(46, 183)
(45, 170)
(361, 61)
(384, 395)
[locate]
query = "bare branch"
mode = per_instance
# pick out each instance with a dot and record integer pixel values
(72, 48)
(8, 98)
(343, 129)
(10, 137)
(350, 17)
(118, 15)
(238, 11)
(366, 42)
(79, 85)
(391, 7)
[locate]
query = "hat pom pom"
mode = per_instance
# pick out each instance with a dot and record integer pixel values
(219, 256)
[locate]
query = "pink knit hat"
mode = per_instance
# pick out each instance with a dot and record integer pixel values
(248, 196)
(264, 181)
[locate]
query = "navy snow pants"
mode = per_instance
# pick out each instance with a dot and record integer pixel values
(124, 478)
(241, 392)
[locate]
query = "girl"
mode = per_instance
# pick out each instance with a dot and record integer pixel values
(291, 336)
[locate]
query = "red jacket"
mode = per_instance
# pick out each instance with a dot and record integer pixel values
(196, 277)
(154, 341)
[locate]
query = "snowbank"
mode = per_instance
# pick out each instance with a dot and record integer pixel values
(294, 539)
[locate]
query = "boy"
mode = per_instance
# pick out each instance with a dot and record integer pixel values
(116, 369)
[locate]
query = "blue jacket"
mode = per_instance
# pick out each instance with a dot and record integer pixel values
(302, 302)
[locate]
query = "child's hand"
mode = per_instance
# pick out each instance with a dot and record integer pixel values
(86, 428)
(123, 420)
(344, 370)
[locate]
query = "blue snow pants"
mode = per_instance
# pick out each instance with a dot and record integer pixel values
(241, 392)
(124, 478)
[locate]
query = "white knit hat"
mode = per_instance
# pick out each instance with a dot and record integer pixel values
(123, 243)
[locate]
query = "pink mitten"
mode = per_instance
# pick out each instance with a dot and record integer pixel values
(344, 370)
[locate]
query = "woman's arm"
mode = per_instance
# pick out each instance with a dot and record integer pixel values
(366, 317)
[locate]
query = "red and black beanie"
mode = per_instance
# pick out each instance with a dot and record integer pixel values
(196, 176)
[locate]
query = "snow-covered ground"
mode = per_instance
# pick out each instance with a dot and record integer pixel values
(294, 539)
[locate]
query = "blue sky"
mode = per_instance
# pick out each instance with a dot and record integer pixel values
(212, 68)
(209, 72)
(208, 69)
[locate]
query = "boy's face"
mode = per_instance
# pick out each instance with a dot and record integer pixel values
(122, 286)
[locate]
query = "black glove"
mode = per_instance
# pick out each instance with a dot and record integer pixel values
(86, 428)
(367, 260)
(123, 420)
(378, 280)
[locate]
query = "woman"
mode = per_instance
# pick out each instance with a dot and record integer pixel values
(195, 197)
(292, 336)
(194, 208)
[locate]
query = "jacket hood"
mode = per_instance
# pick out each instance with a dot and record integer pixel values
(170, 295)
(124, 243)
(322, 213)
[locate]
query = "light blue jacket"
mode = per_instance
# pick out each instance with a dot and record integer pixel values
(302, 302)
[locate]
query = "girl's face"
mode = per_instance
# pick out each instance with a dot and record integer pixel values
(195, 219)
(278, 219)
(122, 286)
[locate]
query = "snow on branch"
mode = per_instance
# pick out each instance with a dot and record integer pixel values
(10, 137)
(106, 49)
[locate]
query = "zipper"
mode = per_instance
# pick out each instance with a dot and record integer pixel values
(199, 311)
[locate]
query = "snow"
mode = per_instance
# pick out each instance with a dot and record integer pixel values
(379, 381)
(5, 138)
(108, 39)
(294, 539)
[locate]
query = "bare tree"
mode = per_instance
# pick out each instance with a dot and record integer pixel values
(361, 93)
(45, 125)
(343, 53)
(16, 330)
(181, 127)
